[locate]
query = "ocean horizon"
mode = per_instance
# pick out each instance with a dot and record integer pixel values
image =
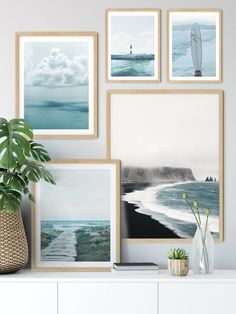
(57, 108)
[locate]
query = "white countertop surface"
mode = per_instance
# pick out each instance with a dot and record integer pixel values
(161, 276)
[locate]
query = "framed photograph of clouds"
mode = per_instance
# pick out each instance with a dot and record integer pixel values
(56, 83)
(169, 142)
(194, 45)
(75, 223)
(133, 45)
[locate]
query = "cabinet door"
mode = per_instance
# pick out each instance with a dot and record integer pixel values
(107, 298)
(197, 298)
(28, 298)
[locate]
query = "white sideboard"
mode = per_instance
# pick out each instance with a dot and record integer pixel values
(29, 292)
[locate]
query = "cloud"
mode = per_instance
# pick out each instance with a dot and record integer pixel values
(57, 70)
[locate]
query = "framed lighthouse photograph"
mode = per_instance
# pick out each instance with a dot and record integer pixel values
(133, 45)
(194, 45)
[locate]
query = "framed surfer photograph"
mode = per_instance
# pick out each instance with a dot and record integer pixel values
(56, 83)
(169, 142)
(133, 45)
(75, 223)
(194, 45)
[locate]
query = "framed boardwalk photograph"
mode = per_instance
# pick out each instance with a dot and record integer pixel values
(133, 45)
(56, 83)
(194, 45)
(169, 142)
(76, 224)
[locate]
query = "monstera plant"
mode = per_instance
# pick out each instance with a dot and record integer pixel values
(20, 164)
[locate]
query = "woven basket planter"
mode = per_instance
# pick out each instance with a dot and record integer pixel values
(13, 242)
(178, 267)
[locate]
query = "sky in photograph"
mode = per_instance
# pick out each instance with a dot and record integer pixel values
(78, 195)
(189, 18)
(55, 64)
(166, 131)
(135, 30)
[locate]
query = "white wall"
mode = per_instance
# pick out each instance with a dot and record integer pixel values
(88, 15)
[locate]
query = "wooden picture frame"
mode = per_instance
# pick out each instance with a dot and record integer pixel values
(86, 235)
(132, 73)
(206, 54)
(160, 143)
(56, 83)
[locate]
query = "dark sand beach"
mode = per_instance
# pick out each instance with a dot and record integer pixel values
(139, 225)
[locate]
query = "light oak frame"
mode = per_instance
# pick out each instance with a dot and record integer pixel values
(95, 70)
(34, 267)
(158, 62)
(192, 81)
(221, 153)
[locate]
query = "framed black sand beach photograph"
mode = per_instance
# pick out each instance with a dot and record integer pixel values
(133, 45)
(75, 223)
(194, 45)
(169, 142)
(56, 83)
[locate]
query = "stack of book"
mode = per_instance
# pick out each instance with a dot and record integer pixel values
(135, 268)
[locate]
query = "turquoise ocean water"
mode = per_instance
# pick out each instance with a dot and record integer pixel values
(164, 203)
(133, 68)
(182, 64)
(58, 108)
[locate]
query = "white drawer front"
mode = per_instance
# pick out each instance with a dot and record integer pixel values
(197, 298)
(107, 298)
(28, 298)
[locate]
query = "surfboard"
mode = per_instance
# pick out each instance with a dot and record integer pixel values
(196, 48)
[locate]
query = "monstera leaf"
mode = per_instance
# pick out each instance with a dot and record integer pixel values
(20, 159)
(14, 180)
(34, 171)
(38, 152)
(15, 137)
(9, 197)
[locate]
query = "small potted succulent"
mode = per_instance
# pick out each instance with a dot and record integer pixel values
(178, 262)
(20, 164)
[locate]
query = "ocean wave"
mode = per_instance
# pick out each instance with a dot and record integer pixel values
(173, 218)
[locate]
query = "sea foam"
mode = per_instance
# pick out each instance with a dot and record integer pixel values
(147, 203)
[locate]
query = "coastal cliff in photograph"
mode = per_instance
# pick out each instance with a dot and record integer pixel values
(160, 174)
(169, 143)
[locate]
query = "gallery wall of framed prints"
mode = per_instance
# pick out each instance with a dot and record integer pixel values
(159, 142)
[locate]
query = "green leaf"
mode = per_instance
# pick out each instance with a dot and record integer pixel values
(38, 152)
(14, 180)
(14, 147)
(10, 197)
(34, 171)
(46, 175)
(31, 170)
(29, 195)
